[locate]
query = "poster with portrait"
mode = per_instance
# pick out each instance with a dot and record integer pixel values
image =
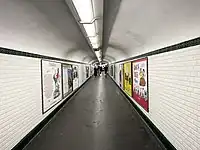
(67, 79)
(75, 77)
(121, 75)
(140, 83)
(128, 78)
(51, 84)
(87, 69)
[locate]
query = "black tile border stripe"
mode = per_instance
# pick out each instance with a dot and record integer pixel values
(186, 44)
(150, 124)
(27, 54)
(40, 126)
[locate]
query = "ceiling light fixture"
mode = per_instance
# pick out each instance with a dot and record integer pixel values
(95, 46)
(86, 14)
(90, 29)
(84, 9)
(99, 55)
(94, 39)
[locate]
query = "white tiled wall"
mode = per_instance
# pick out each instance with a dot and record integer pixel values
(20, 98)
(174, 81)
(82, 74)
(174, 96)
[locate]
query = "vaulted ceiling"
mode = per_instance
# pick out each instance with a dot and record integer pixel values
(134, 27)
(43, 26)
(130, 27)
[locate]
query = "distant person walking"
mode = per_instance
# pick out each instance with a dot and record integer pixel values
(101, 69)
(95, 72)
(106, 70)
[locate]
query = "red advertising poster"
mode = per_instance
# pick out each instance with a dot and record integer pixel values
(140, 83)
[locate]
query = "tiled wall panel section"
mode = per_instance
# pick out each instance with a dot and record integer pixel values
(82, 74)
(117, 70)
(20, 98)
(174, 84)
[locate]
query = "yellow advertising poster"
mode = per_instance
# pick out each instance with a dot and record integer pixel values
(128, 78)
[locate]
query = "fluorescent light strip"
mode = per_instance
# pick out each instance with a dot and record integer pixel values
(94, 39)
(95, 46)
(86, 14)
(84, 9)
(90, 29)
(99, 55)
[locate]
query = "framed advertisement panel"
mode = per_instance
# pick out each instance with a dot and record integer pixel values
(87, 69)
(140, 82)
(91, 70)
(111, 70)
(121, 75)
(67, 80)
(75, 77)
(51, 84)
(114, 75)
(127, 78)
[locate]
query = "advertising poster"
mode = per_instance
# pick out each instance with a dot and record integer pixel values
(51, 84)
(87, 71)
(128, 78)
(75, 77)
(121, 74)
(91, 70)
(111, 70)
(140, 83)
(114, 76)
(67, 79)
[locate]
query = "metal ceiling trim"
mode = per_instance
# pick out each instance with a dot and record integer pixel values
(92, 21)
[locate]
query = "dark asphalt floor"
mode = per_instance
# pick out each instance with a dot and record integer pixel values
(98, 117)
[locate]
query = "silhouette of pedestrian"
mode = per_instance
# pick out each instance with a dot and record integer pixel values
(95, 72)
(106, 70)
